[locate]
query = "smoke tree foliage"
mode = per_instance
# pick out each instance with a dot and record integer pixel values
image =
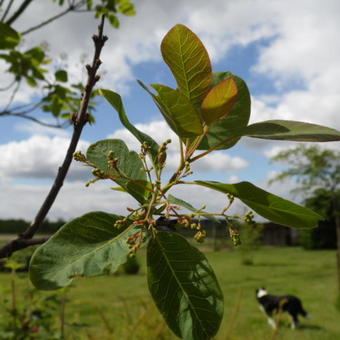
(208, 111)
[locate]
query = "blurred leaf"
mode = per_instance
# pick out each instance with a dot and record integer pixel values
(9, 38)
(226, 132)
(13, 265)
(178, 111)
(61, 75)
(118, 189)
(219, 101)
(26, 65)
(272, 207)
(128, 163)
(291, 130)
(89, 245)
(31, 81)
(184, 287)
(89, 4)
(189, 62)
(116, 102)
(114, 21)
(127, 8)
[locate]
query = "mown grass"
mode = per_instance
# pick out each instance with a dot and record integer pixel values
(119, 307)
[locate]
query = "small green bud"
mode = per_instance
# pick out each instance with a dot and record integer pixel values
(110, 155)
(193, 226)
(235, 236)
(113, 163)
(79, 157)
(98, 173)
(230, 197)
(200, 236)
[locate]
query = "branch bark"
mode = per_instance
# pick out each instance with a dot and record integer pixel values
(19, 244)
(24, 115)
(71, 8)
(6, 10)
(79, 122)
(18, 12)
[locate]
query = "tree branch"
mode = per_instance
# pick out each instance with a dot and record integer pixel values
(80, 120)
(6, 10)
(33, 119)
(18, 244)
(71, 8)
(18, 12)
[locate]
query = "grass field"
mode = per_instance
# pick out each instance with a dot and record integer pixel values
(119, 307)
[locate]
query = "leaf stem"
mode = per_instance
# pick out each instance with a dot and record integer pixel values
(213, 148)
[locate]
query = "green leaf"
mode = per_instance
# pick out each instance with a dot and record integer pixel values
(61, 75)
(119, 189)
(89, 245)
(219, 101)
(291, 130)
(226, 132)
(31, 81)
(114, 21)
(116, 102)
(13, 265)
(165, 114)
(270, 206)
(184, 287)
(174, 200)
(178, 111)
(189, 62)
(128, 163)
(127, 8)
(9, 38)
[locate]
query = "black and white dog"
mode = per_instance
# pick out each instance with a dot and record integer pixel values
(272, 304)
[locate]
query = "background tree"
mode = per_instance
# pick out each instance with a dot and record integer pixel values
(58, 99)
(32, 65)
(317, 173)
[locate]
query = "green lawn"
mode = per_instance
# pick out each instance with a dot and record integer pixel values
(121, 304)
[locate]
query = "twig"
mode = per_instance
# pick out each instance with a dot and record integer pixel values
(71, 8)
(19, 244)
(25, 116)
(6, 88)
(79, 122)
(62, 315)
(18, 12)
(6, 10)
(15, 91)
(215, 147)
(105, 320)
(234, 316)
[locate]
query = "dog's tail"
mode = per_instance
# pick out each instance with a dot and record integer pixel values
(304, 313)
(301, 310)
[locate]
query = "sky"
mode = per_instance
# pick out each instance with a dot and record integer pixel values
(288, 52)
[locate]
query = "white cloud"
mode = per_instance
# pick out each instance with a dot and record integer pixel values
(38, 157)
(75, 200)
(31, 129)
(233, 179)
(272, 151)
(23, 201)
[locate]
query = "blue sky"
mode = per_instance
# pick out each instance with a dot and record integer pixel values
(287, 55)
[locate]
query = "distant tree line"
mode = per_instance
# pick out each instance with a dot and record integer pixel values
(17, 226)
(323, 237)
